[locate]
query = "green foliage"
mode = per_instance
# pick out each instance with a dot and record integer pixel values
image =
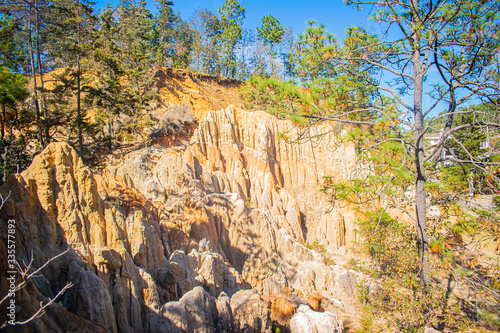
(14, 158)
(60, 102)
(109, 59)
(68, 28)
(366, 320)
(12, 92)
(216, 39)
(328, 91)
(299, 120)
(410, 311)
(173, 37)
(467, 141)
(120, 88)
(454, 179)
(320, 248)
(475, 173)
(231, 16)
(205, 55)
(401, 298)
(135, 35)
(343, 83)
(275, 96)
(389, 242)
(12, 87)
(316, 246)
(12, 55)
(271, 31)
(248, 202)
(315, 50)
(384, 173)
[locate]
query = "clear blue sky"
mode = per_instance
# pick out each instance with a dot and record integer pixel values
(291, 13)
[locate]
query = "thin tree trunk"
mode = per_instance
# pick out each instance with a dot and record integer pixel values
(40, 72)
(4, 167)
(4, 156)
(111, 134)
(447, 126)
(420, 194)
(35, 86)
(78, 93)
(4, 111)
(78, 109)
(272, 59)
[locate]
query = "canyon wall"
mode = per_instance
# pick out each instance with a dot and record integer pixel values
(205, 233)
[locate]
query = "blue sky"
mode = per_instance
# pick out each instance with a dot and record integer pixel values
(291, 13)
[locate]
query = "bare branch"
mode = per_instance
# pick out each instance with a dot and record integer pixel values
(4, 200)
(339, 120)
(41, 310)
(25, 276)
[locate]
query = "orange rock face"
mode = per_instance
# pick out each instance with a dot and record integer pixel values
(227, 205)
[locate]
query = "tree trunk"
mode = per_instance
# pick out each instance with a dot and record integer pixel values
(78, 109)
(40, 73)
(420, 194)
(4, 166)
(110, 133)
(447, 126)
(33, 77)
(4, 156)
(4, 111)
(271, 58)
(78, 93)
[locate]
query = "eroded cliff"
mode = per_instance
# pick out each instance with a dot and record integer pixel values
(173, 237)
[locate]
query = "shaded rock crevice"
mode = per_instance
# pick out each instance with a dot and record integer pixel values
(170, 233)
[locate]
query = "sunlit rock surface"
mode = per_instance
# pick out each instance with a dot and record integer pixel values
(203, 233)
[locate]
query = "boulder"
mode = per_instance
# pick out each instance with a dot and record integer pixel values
(348, 281)
(194, 312)
(250, 311)
(177, 314)
(211, 272)
(307, 320)
(225, 321)
(89, 298)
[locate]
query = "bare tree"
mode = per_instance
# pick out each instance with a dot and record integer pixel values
(25, 273)
(3, 200)
(445, 50)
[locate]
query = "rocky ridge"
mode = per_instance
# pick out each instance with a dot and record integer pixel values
(205, 233)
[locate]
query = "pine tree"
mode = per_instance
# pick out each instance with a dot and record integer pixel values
(175, 37)
(206, 50)
(287, 42)
(314, 53)
(122, 49)
(12, 90)
(29, 18)
(246, 47)
(106, 94)
(137, 34)
(231, 16)
(69, 29)
(271, 33)
(165, 25)
(12, 54)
